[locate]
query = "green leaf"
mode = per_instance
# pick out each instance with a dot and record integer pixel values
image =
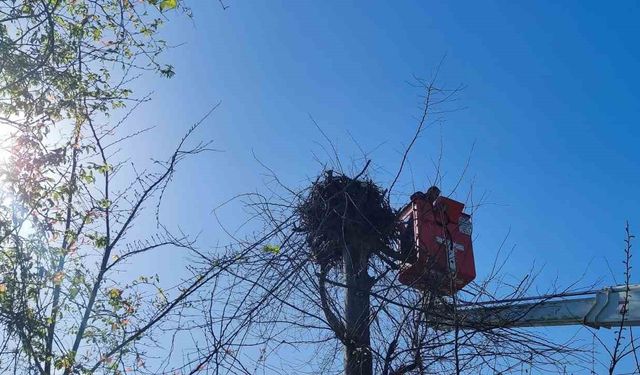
(101, 242)
(96, 33)
(104, 168)
(272, 249)
(104, 203)
(88, 219)
(56, 195)
(88, 178)
(70, 235)
(73, 292)
(167, 71)
(115, 293)
(168, 4)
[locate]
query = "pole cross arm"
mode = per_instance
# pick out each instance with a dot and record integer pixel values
(609, 307)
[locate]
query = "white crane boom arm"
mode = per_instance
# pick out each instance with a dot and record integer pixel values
(605, 308)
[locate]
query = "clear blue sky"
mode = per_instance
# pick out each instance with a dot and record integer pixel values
(552, 104)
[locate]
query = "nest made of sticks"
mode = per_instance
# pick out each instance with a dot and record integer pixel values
(341, 213)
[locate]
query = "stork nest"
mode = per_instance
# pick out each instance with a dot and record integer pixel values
(342, 213)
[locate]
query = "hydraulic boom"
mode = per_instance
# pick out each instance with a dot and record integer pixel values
(608, 308)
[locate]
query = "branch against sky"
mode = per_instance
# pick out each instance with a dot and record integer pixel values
(64, 304)
(289, 295)
(265, 302)
(280, 298)
(69, 199)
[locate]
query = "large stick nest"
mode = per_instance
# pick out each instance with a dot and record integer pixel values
(341, 213)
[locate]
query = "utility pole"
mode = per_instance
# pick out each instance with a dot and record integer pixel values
(358, 359)
(346, 221)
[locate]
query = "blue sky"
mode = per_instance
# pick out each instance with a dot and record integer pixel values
(551, 104)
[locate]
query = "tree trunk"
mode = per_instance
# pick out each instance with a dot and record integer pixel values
(358, 360)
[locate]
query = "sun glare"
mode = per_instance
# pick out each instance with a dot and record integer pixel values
(5, 152)
(5, 132)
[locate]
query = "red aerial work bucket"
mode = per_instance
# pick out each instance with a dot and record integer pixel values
(436, 244)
